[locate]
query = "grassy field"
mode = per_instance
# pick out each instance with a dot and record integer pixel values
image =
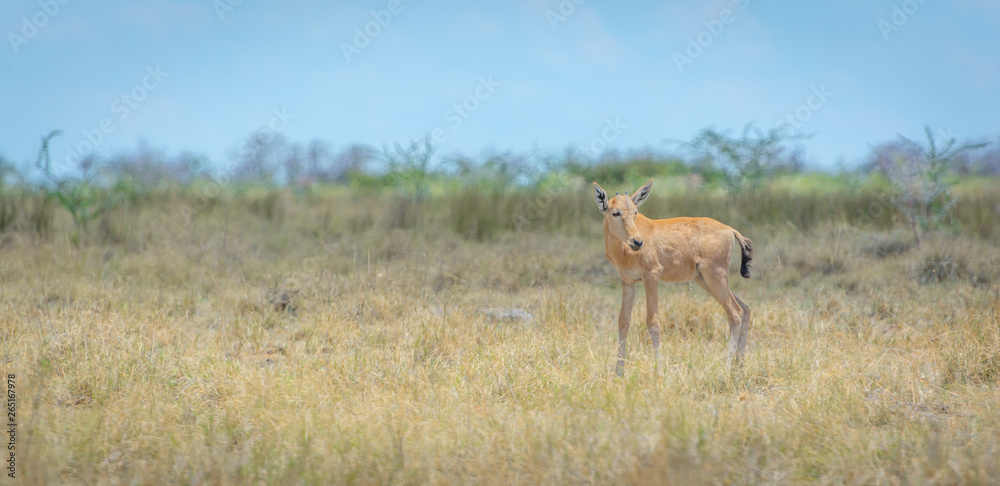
(345, 336)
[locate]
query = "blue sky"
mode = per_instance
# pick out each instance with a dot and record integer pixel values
(203, 75)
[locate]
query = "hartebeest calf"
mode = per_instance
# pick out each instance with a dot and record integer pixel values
(671, 250)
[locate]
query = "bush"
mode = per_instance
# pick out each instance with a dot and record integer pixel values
(749, 160)
(921, 179)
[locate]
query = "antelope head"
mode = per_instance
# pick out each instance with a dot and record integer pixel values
(620, 213)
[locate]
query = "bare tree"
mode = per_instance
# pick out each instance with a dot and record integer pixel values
(148, 167)
(322, 165)
(293, 164)
(260, 158)
(318, 159)
(355, 158)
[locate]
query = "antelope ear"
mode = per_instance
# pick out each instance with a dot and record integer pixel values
(640, 196)
(602, 198)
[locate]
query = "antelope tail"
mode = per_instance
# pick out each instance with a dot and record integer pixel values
(747, 250)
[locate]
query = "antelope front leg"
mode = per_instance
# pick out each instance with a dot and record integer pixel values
(628, 296)
(652, 320)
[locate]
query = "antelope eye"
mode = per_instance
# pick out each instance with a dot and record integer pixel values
(616, 213)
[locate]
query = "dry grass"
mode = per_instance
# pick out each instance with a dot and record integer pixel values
(289, 342)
